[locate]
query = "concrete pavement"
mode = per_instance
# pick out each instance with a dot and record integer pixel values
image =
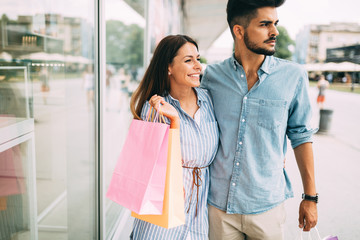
(337, 161)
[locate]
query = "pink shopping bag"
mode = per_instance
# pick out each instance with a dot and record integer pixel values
(138, 181)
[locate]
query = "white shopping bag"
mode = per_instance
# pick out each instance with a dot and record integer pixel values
(317, 237)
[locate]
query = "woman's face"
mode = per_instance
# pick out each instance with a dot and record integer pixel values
(185, 68)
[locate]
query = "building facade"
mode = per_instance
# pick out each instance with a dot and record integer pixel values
(344, 54)
(313, 40)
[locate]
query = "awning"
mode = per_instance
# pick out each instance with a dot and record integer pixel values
(333, 67)
(205, 21)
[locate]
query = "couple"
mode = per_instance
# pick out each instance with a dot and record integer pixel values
(249, 102)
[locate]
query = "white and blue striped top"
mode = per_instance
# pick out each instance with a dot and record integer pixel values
(199, 143)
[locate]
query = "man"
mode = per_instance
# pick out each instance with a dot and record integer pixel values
(258, 101)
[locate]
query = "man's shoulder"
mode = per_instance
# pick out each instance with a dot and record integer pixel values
(287, 64)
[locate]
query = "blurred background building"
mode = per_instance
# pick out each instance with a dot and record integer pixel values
(313, 40)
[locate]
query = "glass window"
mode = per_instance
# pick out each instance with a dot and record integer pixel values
(54, 42)
(124, 70)
(128, 50)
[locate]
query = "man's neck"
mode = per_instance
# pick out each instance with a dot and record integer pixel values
(251, 62)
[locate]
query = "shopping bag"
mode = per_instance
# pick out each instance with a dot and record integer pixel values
(173, 211)
(317, 236)
(138, 181)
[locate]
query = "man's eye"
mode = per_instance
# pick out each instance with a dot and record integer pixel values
(188, 60)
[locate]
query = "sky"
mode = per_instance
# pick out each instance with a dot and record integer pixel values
(294, 14)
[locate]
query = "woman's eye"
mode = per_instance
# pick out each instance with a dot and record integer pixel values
(189, 60)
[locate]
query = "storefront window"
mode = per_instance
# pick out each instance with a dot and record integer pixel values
(53, 42)
(124, 69)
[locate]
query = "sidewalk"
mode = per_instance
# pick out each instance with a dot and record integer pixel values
(337, 160)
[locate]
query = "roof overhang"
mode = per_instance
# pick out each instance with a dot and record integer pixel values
(205, 20)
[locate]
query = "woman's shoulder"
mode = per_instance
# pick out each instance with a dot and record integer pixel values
(202, 92)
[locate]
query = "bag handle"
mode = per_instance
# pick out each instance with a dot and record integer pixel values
(317, 234)
(154, 115)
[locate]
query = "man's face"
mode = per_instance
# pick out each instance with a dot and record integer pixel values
(260, 35)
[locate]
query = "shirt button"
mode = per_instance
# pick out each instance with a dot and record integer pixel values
(242, 75)
(240, 143)
(243, 120)
(245, 98)
(237, 164)
(233, 184)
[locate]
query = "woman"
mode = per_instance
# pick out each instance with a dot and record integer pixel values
(322, 85)
(172, 80)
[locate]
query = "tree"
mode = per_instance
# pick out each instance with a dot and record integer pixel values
(124, 43)
(283, 42)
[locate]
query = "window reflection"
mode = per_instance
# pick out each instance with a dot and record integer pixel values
(54, 42)
(124, 70)
(13, 193)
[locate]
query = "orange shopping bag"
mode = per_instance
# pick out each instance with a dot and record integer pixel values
(173, 209)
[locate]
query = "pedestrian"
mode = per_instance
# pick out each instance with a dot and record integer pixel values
(172, 80)
(44, 79)
(322, 85)
(89, 85)
(258, 101)
(329, 77)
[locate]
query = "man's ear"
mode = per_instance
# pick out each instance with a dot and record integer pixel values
(238, 31)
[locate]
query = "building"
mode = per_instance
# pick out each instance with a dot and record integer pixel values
(344, 54)
(67, 71)
(313, 40)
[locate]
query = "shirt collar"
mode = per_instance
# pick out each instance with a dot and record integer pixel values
(265, 66)
(200, 98)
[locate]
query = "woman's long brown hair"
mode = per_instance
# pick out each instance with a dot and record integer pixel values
(156, 78)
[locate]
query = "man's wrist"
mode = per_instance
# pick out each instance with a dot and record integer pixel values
(312, 198)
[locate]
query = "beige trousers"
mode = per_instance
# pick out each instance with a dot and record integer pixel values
(264, 226)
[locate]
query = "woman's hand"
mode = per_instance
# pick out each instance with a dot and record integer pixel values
(166, 109)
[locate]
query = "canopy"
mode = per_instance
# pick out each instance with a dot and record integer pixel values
(333, 67)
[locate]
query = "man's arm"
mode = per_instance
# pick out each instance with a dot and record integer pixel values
(308, 209)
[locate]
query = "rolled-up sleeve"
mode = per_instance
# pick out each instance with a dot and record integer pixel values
(299, 130)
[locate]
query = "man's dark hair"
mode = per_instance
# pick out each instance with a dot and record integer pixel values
(242, 11)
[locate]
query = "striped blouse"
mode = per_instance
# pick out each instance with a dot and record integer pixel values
(199, 142)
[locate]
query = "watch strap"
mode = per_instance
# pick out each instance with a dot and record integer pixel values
(312, 198)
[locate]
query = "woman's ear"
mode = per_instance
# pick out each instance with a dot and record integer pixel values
(238, 31)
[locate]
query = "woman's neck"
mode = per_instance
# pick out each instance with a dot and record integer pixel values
(187, 98)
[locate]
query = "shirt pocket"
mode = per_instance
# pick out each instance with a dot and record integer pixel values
(271, 113)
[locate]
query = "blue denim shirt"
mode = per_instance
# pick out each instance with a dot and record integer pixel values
(248, 175)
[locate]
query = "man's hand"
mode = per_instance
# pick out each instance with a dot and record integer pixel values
(307, 215)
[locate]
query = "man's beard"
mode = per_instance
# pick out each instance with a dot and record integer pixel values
(255, 48)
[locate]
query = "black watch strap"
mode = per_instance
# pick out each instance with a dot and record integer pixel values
(311, 198)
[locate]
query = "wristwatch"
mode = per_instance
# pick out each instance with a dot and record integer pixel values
(311, 198)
